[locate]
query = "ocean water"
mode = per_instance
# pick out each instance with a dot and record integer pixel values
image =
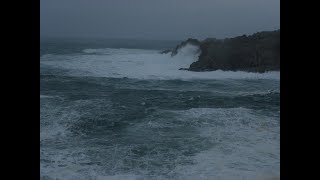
(118, 109)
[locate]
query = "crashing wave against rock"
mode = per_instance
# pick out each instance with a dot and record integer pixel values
(259, 52)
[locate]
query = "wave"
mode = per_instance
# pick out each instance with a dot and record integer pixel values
(232, 152)
(45, 96)
(223, 137)
(122, 51)
(142, 64)
(236, 152)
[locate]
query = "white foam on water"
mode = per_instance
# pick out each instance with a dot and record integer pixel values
(45, 96)
(67, 164)
(142, 64)
(261, 92)
(60, 155)
(119, 177)
(119, 51)
(247, 144)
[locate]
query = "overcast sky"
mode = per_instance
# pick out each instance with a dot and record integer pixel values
(157, 19)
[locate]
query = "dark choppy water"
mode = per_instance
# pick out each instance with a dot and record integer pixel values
(110, 113)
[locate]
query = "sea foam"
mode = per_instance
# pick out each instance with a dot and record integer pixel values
(142, 64)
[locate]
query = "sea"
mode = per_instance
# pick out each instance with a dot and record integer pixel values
(118, 109)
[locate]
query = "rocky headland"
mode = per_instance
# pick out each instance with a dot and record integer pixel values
(259, 52)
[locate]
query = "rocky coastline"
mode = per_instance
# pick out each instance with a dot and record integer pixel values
(259, 52)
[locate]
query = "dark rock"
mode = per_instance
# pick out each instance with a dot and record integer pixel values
(256, 53)
(184, 69)
(259, 52)
(165, 52)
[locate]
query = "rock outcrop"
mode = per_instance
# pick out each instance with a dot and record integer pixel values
(259, 52)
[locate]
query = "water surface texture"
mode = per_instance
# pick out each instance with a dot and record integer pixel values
(121, 110)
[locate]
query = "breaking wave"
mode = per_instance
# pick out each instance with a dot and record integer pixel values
(141, 64)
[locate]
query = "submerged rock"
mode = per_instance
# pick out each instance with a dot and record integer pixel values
(184, 69)
(165, 52)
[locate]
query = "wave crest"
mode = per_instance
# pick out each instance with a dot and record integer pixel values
(142, 64)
